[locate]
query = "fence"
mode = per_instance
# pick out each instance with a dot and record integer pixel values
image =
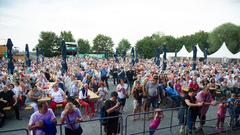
(124, 129)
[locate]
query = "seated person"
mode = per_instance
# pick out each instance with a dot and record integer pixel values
(58, 97)
(84, 100)
(8, 98)
(32, 98)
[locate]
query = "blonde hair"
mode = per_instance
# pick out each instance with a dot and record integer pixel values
(69, 106)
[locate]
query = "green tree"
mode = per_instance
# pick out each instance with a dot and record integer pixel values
(146, 47)
(67, 36)
(83, 46)
(48, 42)
(228, 33)
(102, 43)
(123, 45)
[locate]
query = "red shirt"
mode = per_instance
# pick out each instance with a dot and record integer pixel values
(194, 86)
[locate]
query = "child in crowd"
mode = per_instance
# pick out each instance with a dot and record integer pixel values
(231, 109)
(158, 115)
(221, 112)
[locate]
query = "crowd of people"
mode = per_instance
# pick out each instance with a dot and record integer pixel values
(149, 86)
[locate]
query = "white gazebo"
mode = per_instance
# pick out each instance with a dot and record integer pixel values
(199, 52)
(183, 52)
(237, 55)
(222, 52)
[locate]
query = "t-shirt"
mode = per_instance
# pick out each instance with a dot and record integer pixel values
(122, 90)
(138, 93)
(102, 92)
(109, 104)
(57, 96)
(192, 100)
(36, 116)
(202, 97)
(71, 118)
(152, 89)
(7, 96)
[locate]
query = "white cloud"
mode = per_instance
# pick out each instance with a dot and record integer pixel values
(132, 19)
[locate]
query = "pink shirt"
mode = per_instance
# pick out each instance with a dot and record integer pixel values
(155, 123)
(202, 97)
(221, 111)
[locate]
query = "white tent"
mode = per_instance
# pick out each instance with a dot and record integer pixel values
(199, 52)
(169, 55)
(183, 52)
(237, 55)
(222, 52)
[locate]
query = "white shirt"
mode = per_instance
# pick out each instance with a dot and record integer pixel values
(17, 90)
(122, 90)
(82, 95)
(57, 95)
(102, 92)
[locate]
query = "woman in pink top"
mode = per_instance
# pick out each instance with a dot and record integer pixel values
(158, 115)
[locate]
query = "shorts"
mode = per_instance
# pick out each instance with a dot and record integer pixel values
(122, 101)
(137, 104)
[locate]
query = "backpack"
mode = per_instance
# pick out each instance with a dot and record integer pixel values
(103, 114)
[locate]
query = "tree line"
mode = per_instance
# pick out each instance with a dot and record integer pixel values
(145, 47)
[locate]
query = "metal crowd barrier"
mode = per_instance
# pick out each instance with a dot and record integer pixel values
(171, 110)
(120, 121)
(15, 130)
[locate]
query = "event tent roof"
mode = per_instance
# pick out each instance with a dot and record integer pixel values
(237, 55)
(183, 52)
(199, 52)
(169, 54)
(222, 52)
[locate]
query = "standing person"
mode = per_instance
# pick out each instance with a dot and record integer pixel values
(72, 116)
(158, 115)
(204, 97)
(104, 73)
(231, 109)
(102, 92)
(43, 121)
(112, 108)
(122, 93)
(190, 106)
(137, 93)
(221, 112)
(130, 77)
(32, 98)
(152, 92)
(115, 74)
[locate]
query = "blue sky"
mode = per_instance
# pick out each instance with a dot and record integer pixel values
(23, 20)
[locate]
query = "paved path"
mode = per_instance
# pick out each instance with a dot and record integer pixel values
(93, 128)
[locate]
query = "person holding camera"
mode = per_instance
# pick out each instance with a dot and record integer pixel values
(112, 108)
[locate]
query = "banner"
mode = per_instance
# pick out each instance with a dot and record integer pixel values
(98, 56)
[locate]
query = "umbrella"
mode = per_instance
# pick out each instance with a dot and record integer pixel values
(194, 59)
(132, 52)
(157, 58)
(37, 53)
(136, 59)
(205, 55)
(116, 56)
(42, 55)
(28, 62)
(10, 56)
(164, 57)
(124, 56)
(64, 57)
(175, 57)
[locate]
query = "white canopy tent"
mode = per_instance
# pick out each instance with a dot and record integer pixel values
(199, 52)
(183, 52)
(222, 52)
(237, 55)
